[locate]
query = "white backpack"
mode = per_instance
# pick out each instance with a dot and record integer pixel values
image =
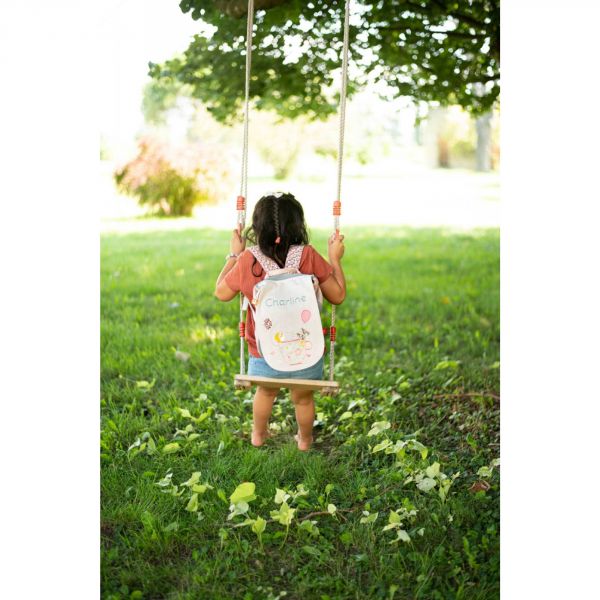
(286, 307)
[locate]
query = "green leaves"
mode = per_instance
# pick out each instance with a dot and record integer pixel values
(444, 49)
(281, 496)
(433, 470)
(243, 493)
(447, 364)
(369, 518)
(259, 525)
(378, 427)
(284, 514)
(145, 385)
(398, 519)
(192, 505)
(425, 484)
(240, 499)
(171, 448)
(381, 446)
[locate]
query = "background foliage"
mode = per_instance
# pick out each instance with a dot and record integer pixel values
(170, 179)
(429, 50)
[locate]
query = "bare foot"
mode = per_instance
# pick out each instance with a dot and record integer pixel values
(303, 444)
(258, 439)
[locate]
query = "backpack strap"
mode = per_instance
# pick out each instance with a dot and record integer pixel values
(293, 258)
(268, 264)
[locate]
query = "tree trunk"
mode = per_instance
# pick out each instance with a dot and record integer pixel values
(483, 126)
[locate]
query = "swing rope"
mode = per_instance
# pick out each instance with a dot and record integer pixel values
(241, 199)
(337, 205)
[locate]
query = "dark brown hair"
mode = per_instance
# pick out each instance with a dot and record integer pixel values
(277, 223)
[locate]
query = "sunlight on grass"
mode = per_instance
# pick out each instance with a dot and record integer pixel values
(210, 333)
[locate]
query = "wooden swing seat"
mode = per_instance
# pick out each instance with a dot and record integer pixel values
(324, 386)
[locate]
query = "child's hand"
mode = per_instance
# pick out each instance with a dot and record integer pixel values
(237, 243)
(336, 247)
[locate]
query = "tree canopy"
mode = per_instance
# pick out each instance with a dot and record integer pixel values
(430, 50)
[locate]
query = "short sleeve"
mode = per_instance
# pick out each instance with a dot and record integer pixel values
(233, 279)
(314, 263)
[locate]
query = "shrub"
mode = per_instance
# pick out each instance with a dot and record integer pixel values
(171, 180)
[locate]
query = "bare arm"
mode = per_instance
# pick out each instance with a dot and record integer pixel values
(236, 246)
(222, 290)
(334, 288)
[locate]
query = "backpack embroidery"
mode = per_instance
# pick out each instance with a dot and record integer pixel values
(286, 311)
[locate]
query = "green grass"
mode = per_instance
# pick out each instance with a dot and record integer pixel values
(418, 348)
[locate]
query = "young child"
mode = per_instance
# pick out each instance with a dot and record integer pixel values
(278, 223)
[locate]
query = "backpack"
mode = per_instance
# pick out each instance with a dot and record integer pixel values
(286, 306)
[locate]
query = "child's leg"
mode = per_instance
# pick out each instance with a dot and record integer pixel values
(305, 415)
(261, 411)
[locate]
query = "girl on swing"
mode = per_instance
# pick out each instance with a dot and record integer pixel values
(277, 224)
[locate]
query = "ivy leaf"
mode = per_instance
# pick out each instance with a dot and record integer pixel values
(369, 518)
(378, 427)
(309, 527)
(243, 493)
(426, 484)
(485, 472)
(195, 478)
(414, 445)
(259, 525)
(239, 508)
(200, 488)
(166, 480)
(402, 535)
(394, 517)
(381, 446)
(311, 550)
(346, 415)
(284, 515)
(281, 496)
(192, 505)
(145, 385)
(447, 364)
(151, 446)
(433, 470)
(171, 448)
(184, 412)
(331, 509)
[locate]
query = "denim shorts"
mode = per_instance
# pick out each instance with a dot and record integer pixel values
(260, 368)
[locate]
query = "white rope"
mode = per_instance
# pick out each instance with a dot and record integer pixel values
(244, 177)
(336, 217)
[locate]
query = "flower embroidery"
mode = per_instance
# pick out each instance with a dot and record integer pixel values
(268, 324)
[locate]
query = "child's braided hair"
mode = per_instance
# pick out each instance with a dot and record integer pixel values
(277, 223)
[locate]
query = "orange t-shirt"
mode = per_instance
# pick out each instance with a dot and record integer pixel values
(243, 277)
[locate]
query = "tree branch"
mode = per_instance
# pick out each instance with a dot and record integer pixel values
(459, 16)
(451, 32)
(239, 8)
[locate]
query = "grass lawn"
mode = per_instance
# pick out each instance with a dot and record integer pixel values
(406, 508)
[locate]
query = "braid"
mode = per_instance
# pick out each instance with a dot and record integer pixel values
(276, 216)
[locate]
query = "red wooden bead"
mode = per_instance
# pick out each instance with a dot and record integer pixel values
(332, 333)
(337, 208)
(241, 203)
(242, 329)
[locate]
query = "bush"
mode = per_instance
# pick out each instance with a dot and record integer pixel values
(172, 180)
